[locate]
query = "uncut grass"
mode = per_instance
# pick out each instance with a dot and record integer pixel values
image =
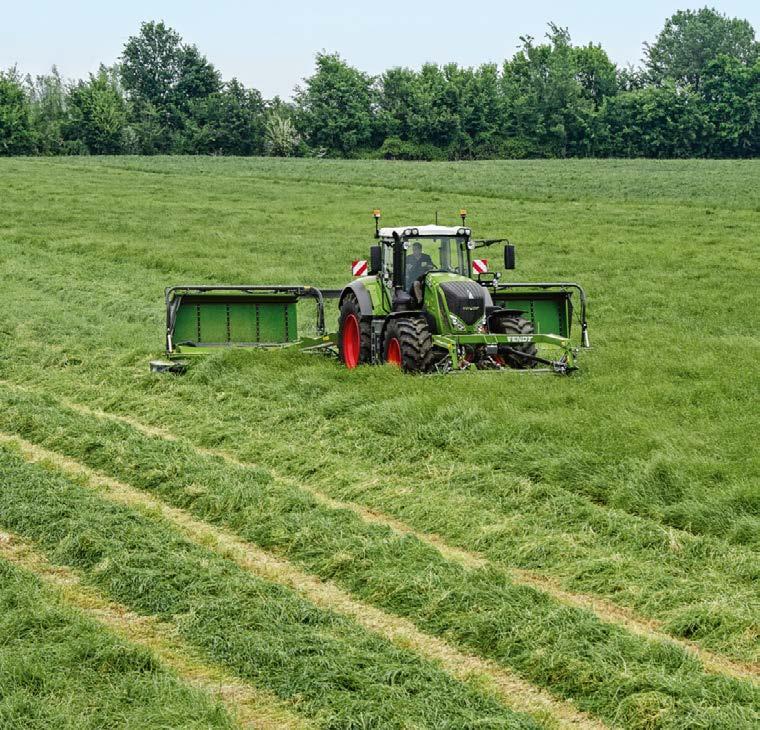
(59, 669)
(702, 591)
(617, 436)
(324, 664)
(691, 183)
(619, 677)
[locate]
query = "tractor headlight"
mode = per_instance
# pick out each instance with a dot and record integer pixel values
(457, 323)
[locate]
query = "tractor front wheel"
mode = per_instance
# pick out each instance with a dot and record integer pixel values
(516, 326)
(408, 344)
(354, 334)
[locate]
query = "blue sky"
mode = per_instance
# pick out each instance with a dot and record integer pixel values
(271, 45)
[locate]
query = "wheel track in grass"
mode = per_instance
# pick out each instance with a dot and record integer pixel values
(513, 692)
(251, 707)
(604, 609)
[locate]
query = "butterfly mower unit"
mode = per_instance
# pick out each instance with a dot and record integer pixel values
(424, 302)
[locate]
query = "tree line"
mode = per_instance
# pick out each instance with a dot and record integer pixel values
(697, 94)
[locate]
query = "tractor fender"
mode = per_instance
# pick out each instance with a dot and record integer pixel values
(362, 295)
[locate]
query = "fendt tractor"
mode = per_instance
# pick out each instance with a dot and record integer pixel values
(424, 301)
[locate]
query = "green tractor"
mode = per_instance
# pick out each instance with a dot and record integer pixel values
(428, 304)
(424, 302)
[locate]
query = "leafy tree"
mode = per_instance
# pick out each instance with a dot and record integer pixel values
(196, 78)
(164, 78)
(656, 121)
(549, 112)
(97, 114)
(437, 121)
(731, 91)
(150, 64)
(439, 112)
(597, 75)
(693, 38)
(397, 92)
(47, 97)
(146, 129)
(16, 134)
(281, 135)
(335, 106)
(227, 122)
(480, 109)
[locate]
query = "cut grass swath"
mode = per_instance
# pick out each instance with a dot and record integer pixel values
(514, 692)
(325, 665)
(697, 588)
(606, 611)
(48, 592)
(61, 669)
(567, 650)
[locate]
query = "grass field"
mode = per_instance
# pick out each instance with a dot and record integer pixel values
(363, 548)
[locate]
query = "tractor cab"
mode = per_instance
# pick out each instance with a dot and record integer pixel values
(408, 255)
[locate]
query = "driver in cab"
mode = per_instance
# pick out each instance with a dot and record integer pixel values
(417, 263)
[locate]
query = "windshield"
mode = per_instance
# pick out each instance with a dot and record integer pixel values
(427, 254)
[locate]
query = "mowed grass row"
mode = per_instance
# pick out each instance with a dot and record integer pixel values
(60, 669)
(700, 589)
(325, 665)
(620, 678)
(615, 435)
(517, 694)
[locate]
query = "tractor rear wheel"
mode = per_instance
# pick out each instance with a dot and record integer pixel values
(512, 325)
(408, 344)
(354, 334)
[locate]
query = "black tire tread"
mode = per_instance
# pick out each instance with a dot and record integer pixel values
(511, 325)
(415, 340)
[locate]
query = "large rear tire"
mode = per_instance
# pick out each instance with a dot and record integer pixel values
(511, 325)
(354, 334)
(408, 344)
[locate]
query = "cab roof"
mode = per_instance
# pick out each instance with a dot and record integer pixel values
(422, 231)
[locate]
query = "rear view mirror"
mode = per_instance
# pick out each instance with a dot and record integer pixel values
(509, 256)
(375, 259)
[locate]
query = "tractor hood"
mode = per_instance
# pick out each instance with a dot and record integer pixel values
(466, 299)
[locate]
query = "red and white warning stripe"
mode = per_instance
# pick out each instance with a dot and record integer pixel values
(479, 266)
(359, 267)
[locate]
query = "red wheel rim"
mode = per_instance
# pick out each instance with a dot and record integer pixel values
(351, 342)
(393, 356)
